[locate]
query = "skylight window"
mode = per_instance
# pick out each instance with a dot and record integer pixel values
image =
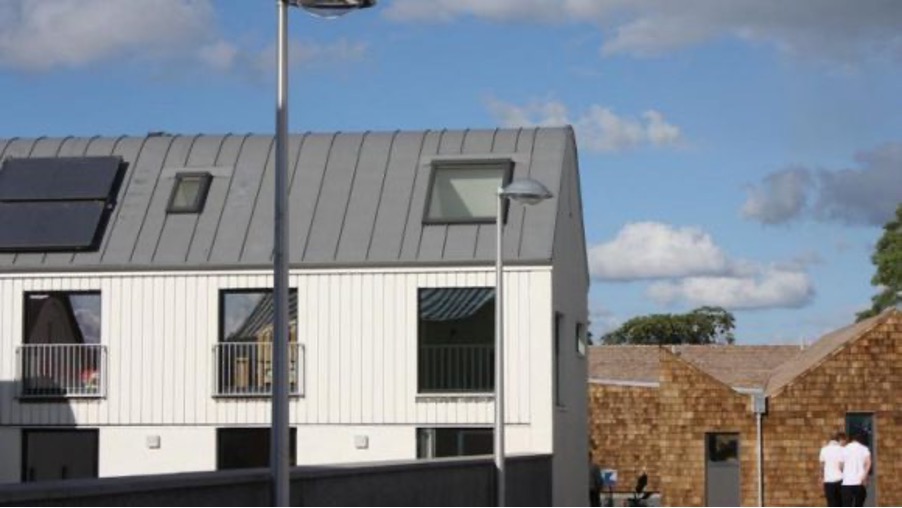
(189, 193)
(466, 191)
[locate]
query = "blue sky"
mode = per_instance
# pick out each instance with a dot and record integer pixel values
(740, 153)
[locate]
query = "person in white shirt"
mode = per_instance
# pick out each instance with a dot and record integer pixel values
(856, 465)
(831, 458)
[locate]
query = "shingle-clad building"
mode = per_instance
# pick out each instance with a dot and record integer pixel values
(687, 415)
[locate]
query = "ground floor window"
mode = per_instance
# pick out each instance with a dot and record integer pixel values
(240, 448)
(453, 442)
(59, 454)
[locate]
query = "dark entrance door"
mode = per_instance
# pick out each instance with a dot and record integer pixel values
(722, 469)
(863, 424)
(59, 454)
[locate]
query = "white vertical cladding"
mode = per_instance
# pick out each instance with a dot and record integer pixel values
(358, 329)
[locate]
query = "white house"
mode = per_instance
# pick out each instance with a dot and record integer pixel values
(135, 314)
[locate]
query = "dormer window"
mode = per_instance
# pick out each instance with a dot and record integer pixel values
(189, 193)
(466, 191)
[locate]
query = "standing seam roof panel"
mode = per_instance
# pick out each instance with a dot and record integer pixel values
(208, 221)
(233, 227)
(155, 217)
(354, 199)
(333, 199)
(365, 195)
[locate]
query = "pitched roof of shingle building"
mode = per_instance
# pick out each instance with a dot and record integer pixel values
(736, 366)
(821, 350)
(768, 368)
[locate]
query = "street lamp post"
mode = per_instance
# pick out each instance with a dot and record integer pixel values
(529, 192)
(279, 436)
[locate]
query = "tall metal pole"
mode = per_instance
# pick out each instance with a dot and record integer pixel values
(499, 354)
(279, 441)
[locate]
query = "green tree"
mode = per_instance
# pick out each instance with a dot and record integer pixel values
(887, 258)
(704, 325)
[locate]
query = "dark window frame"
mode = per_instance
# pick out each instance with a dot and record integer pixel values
(504, 164)
(458, 434)
(423, 387)
(25, 316)
(220, 338)
(197, 206)
(556, 362)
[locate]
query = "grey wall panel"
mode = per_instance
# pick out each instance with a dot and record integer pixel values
(333, 200)
(391, 217)
(208, 221)
(413, 225)
(537, 234)
(156, 216)
(461, 239)
(503, 141)
(133, 207)
(365, 195)
(305, 189)
(175, 237)
(128, 149)
(516, 212)
(233, 226)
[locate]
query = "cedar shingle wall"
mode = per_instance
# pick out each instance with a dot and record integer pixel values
(623, 432)
(865, 376)
(692, 404)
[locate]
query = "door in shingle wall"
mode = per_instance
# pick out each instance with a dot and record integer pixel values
(722, 469)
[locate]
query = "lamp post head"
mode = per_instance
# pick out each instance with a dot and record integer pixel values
(526, 190)
(331, 8)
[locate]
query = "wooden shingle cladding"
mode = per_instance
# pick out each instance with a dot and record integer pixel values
(863, 375)
(660, 423)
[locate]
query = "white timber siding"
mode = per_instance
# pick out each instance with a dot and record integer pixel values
(358, 328)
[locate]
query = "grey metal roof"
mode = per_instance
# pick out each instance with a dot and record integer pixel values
(356, 199)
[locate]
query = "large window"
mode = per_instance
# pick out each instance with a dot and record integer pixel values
(456, 343)
(453, 442)
(61, 354)
(244, 352)
(241, 448)
(466, 191)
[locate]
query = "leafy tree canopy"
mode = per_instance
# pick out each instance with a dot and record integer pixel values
(704, 325)
(887, 258)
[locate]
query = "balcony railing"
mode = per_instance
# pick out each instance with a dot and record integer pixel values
(454, 368)
(244, 369)
(61, 370)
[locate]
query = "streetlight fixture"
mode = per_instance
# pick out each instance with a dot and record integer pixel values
(530, 192)
(279, 440)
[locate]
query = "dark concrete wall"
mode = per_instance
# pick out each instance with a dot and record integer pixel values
(449, 482)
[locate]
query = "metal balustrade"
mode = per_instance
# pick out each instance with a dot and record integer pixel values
(61, 370)
(454, 368)
(244, 369)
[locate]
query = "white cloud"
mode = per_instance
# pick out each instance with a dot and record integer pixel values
(598, 128)
(834, 29)
(687, 266)
(38, 35)
(865, 195)
(652, 250)
(770, 287)
(42, 35)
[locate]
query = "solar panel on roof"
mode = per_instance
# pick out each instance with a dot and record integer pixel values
(44, 226)
(58, 178)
